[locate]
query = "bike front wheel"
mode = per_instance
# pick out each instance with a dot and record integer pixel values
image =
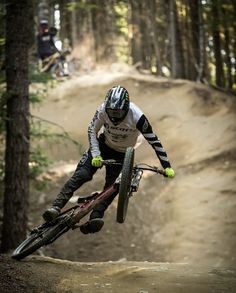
(39, 237)
(125, 182)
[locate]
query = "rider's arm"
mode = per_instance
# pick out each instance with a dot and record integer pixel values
(93, 129)
(145, 128)
(53, 45)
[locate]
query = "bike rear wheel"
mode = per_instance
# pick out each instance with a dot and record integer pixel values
(39, 237)
(125, 182)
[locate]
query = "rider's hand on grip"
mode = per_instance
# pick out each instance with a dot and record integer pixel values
(97, 161)
(170, 173)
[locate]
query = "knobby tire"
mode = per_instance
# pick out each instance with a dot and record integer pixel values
(124, 189)
(38, 239)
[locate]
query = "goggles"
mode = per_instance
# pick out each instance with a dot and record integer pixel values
(116, 113)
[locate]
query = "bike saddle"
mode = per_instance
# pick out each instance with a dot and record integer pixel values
(83, 198)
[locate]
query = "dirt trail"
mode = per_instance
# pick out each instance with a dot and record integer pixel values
(47, 275)
(186, 225)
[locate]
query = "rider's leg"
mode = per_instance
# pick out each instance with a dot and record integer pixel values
(96, 222)
(83, 173)
(112, 172)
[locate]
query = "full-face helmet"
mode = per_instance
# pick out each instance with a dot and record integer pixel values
(117, 104)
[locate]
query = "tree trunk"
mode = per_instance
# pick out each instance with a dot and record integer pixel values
(73, 24)
(217, 44)
(234, 38)
(194, 15)
(103, 24)
(95, 28)
(177, 60)
(146, 37)
(43, 10)
(202, 52)
(228, 62)
(154, 32)
(65, 31)
(19, 14)
(136, 40)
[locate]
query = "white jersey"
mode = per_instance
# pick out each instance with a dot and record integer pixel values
(125, 134)
(116, 137)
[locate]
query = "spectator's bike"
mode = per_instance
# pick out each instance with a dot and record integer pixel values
(126, 183)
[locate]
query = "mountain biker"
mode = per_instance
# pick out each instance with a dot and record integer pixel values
(122, 123)
(49, 51)
(45, 41)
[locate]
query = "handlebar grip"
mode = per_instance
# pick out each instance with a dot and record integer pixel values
(111, 162)
(162, 172)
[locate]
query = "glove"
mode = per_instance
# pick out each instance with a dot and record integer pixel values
(97, 161)
(170, 172)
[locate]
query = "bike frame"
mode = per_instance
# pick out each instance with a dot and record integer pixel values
(82, 209)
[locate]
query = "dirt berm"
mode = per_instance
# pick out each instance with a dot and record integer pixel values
(180, 234)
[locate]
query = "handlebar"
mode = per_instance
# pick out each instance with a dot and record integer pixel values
(142, 166)
(147, 167)
(111, 162)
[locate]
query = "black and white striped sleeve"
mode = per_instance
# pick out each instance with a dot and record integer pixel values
(93, 129)
(145, 128)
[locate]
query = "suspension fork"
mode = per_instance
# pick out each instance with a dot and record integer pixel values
(138, 173)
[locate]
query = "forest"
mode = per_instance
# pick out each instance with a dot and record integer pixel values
(193, 40)
(178, 39)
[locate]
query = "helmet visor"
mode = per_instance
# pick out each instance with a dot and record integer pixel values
(116, 113)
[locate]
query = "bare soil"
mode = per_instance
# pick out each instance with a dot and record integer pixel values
(48, 275)
(180, 234)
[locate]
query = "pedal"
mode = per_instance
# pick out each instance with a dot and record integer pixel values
(76, 226)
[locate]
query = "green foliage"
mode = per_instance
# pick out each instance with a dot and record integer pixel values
(122, 27)
(38, 162)
(2, 41)
(82, 4)
(40, 131)
(2, 79)
(121, 11)
(35, 98)
(38, 77)
(71, 5)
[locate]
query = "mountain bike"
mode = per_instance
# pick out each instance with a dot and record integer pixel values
(56, 64)
(126, 183)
